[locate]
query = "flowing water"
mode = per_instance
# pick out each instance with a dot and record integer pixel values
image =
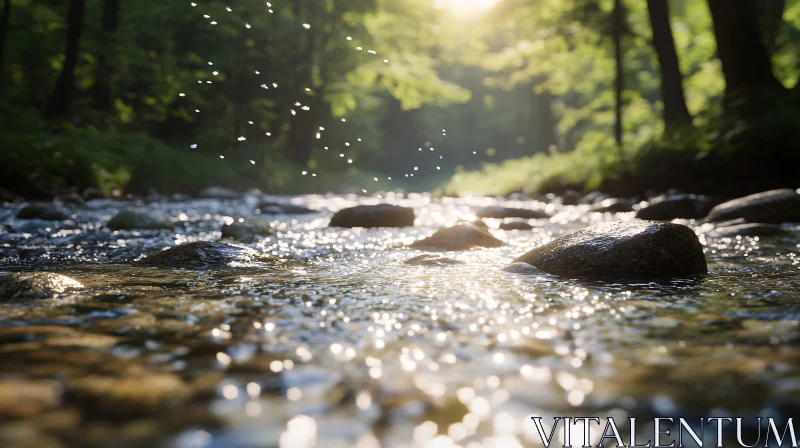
(341, 344)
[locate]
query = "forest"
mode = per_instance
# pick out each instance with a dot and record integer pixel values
(488, 96)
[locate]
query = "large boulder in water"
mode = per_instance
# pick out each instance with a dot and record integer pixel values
(246, 230)
(510, 212)
(205, 255)
(45, 212)
(381, 215)
(457, 237)
(775, 206)
(622, 250)
(35, 285)
(678, 206)
(139, 220)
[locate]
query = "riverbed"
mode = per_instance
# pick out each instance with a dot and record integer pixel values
(341, 344)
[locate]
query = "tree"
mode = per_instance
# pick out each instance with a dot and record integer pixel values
(59, 102)
(619, 83)
(746, 65)
(4, 15)
(672, 94)
(104, 71)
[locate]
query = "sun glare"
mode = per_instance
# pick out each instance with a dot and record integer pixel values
(465, 7)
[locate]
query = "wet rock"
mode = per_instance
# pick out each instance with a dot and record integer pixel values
(772, 207)
(515, 225)
(612, 206)
(594, 198)
(623, 250)
(92, 193)
(246, 230)
(45, 212)
(131, 396)
(219, 193)
(276, 208)
(35, 285)
(571, 197)
(458, 237)
(72, 198)
(205, 255)
(522, 268)
(510, 212)
(748, 229)
(432, 260)
(680, 206)
(139, 220)
(381, 215)
(477, 223)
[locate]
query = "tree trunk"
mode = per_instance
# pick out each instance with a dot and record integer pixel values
(102, 94)
(619, 81)
(771, 13)
(746, 64)
(544, 126)
(58, 104)
(672, 95)
(4, 15)
(301, 135)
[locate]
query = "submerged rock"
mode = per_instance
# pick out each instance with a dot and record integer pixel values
(139, 220)
(45, 212)
(129, 396)
(219, 193)
(275, 208)
(679, 206)
(381, 215)
(457, 237)
(36, 285)
(515, 225)
(510, 212)
(624, 250)
(432, 260)
(246, 230)
(205, 255)
(748, 229)
(772, 207)
(522, 268)
(612, 206)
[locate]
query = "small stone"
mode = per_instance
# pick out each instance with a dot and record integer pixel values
(458, 237)
(511, 212)
(515, 225)
(139, 220)
(370, 216)
(276, 208)
(622, 250)
(432, 260)
(612, 206)
(205, 255)
(771, 207)
(72, 198)
(749, 229)
(247, 230)
(219, 193)
(36, 285)
(680, 206)
(45, 212)
(571, 197)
